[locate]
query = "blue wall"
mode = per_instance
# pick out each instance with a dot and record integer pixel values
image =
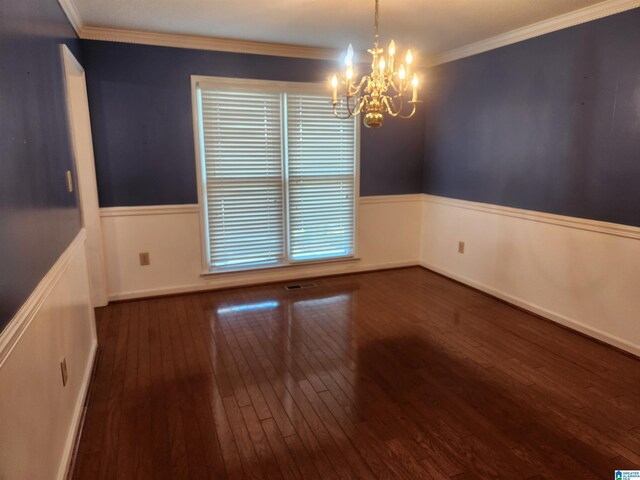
(550, 124)
(140, 99)
(38, 217)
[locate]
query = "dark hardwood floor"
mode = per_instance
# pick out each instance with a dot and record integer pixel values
(399, 374)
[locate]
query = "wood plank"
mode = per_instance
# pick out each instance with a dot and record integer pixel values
(400, 374)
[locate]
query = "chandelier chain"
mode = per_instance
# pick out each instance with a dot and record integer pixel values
(376, 24)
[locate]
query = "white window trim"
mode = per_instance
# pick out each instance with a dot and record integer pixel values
(271, 86)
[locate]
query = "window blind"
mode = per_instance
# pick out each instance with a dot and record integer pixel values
(278, 175)
(241, 149)
(321, 179)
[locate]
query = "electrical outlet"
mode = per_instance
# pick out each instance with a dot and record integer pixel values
(144, 259)
(64, 372)
(461, 247)
(69, 177)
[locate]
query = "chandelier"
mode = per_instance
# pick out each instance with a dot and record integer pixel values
(383, 91)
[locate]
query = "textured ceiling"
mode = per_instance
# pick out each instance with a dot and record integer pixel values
(433, 26)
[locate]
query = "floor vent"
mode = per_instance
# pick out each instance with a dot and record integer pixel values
(300, 286)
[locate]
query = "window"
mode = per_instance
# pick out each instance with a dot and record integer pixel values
(277, 174)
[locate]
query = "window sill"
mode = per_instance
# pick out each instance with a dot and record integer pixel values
(216, 273)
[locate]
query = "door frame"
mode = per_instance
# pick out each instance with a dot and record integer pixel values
(82, 147)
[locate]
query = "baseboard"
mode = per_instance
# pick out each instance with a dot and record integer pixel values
(78, 414)
(276, 278)
(540, 311)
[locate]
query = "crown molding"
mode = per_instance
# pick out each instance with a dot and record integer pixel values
(577, 17)
(206, 43)
(196, 42)
(70, 10)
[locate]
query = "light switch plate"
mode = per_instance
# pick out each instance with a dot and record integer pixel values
(144, 259)
(64, 372)
(69, 177)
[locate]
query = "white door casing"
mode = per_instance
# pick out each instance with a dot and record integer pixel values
(82, 142)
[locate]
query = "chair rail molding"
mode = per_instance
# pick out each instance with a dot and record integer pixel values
(20, 322)
(607, 228)
(149, 210)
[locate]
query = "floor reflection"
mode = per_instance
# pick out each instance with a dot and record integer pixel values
(248, 307)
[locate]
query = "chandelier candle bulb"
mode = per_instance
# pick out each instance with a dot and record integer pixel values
(392, 52)
(409, 57)
(409, 60)
(334, 86)
(348, 60)
(415, 81)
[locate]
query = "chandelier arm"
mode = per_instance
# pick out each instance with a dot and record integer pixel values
(389, 102)
(392, 109)
(392, 85)
(413, 111)
(397, 88)
(358, 106)
(401, 103)
(340, 117)
(356, 90)
(349, 111)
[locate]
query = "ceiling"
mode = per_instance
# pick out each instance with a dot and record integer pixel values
(434, 27)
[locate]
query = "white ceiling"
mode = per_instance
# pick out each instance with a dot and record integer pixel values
(432, 26)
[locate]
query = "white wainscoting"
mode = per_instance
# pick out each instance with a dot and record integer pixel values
(39, 417)
(388, 237)
(580, 273)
